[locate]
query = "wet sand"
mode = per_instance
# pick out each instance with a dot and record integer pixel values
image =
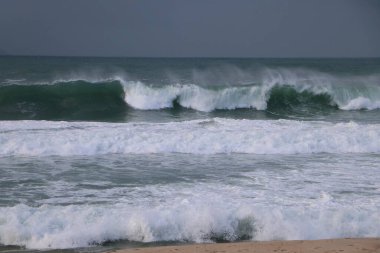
(366, 245)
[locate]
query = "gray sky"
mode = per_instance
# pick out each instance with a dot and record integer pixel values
(176, 28)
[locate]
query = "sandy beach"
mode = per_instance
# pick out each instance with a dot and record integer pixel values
(316, 246)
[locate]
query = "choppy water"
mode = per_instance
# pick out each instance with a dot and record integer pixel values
(95, 152)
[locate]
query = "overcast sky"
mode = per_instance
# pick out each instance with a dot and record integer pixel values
(177, 28)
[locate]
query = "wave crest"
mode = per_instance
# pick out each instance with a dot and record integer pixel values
(195, 97)
(269, 94)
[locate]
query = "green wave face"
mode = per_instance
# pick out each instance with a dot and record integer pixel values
(286, 100)
(77, 100)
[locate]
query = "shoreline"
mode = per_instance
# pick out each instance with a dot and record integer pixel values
(346, 245)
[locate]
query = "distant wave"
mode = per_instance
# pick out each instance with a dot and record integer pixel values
(281, 91)
(41, 138)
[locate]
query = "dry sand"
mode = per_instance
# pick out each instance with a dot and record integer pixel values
(317, 246)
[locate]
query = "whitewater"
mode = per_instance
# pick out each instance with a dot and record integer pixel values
(101, 152)
(211, 136)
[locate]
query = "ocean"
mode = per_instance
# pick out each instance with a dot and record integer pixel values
(101, 153)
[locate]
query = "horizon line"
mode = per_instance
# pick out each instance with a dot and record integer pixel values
(195, 57)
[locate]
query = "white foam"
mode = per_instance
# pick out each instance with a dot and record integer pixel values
(361, 103)
(281, 205)
(80, 226)
(36, 138)
(144, 97)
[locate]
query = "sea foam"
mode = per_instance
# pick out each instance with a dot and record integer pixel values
(40, 138)
(201, 221)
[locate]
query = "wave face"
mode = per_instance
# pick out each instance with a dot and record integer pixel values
(36, 138)
(62, 100)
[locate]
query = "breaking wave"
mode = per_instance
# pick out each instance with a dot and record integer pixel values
(85, 100)
(280, 91)
(273, 91)
(82, 226)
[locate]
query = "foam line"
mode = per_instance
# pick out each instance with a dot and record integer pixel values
(41, 138)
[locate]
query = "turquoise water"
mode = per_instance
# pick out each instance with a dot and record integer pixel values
(101, 153)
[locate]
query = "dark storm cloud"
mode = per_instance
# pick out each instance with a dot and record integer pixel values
(231, 28)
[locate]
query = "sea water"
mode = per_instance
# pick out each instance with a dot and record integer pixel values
(101, 152)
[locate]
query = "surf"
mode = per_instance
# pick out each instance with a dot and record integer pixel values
(192, 220)
(213, 136)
